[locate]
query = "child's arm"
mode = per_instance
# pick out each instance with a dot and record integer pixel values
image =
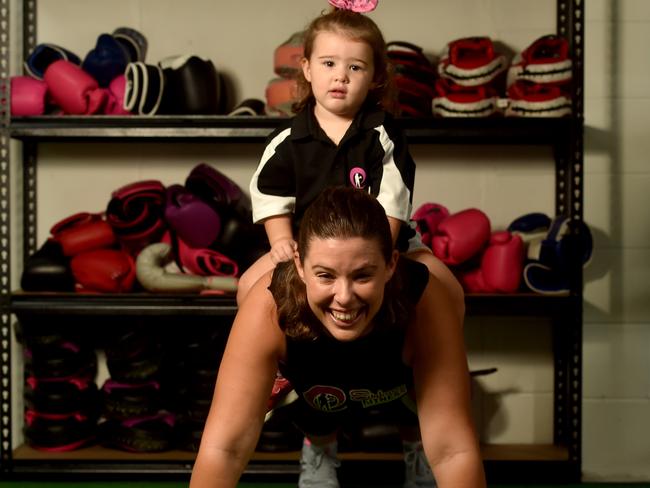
(278, 230)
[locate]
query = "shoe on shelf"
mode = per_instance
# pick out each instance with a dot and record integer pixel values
(418, 474)
(318, 466)
(545, 61)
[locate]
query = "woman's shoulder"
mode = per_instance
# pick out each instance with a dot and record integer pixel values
(259, 295)
(411, 279)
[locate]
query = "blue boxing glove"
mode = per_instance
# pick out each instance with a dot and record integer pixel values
(106, 61)
(133, 42)
(43, 56)
(549, 270)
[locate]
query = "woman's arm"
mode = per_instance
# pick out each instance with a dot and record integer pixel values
(244, 383)
(435, 349)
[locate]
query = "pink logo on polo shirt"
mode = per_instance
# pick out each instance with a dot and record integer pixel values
(358, 177)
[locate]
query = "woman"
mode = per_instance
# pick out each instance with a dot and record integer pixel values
(351, 325)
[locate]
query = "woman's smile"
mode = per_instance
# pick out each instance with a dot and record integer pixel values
(346, 318)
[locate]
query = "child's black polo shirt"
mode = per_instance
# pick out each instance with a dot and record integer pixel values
(299, 161)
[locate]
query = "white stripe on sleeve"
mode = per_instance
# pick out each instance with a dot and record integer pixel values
(264, 205)
(393, 194)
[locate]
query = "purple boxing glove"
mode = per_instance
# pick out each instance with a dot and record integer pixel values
(195, 222)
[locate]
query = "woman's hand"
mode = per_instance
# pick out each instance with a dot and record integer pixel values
(283, 250)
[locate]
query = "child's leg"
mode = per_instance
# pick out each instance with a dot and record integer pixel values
(440, 270)
(252, 274)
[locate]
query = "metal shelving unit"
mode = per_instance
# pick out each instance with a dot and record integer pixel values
(560, 462)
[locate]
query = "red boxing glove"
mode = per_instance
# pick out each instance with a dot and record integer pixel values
(501, 266)
(74, 90)
(28, 96)
(103, 270)
(135, 212)
(461, 236)
(427, 218)
(82, 232)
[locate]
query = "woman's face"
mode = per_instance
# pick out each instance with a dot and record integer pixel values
(345, 280)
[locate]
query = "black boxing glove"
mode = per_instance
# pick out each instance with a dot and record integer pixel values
(47, 270)
(192, 86)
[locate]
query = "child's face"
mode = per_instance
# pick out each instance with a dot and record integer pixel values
(341, 72)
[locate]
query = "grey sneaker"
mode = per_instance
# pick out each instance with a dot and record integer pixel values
(418, 473)
(318, 466)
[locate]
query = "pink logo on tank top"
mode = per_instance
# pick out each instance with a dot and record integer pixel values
(358, 177)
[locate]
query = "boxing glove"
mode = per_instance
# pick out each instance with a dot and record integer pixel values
(427, 218)
(241, 240)
(82, 232)
(60, 395)
(106, 60)
(28, 96)
(43, 56)
(288, 55)
(152, 275)
(47, 270)
(135, 212)
(204, 262)
(144, 88)
(501, 266)
(249, 106)
(461, 236)
(554, 255)
(194, 220)
(58, 432)
(104, 271)
(222, 193)
(191, 86)
(133, 42)
(281, 94)
(74, 90)
(115, 97)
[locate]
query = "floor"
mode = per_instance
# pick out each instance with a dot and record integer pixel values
(144, 484)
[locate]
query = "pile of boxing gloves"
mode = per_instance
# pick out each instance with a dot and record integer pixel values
(472, 78)
(114, 79)
(535, 253)
(156, 397)
(61, 400)
(414, 77)
(186, 238)
(282, 90)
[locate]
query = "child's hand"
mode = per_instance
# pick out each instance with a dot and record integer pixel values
(283, 250)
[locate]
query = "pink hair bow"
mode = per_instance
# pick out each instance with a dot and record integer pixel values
(359, 6)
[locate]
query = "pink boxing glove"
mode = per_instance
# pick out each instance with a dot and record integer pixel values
(427, 218)
(115, 97)
(461, 236)
(74, 90)
(501, 266)
(28, 96)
